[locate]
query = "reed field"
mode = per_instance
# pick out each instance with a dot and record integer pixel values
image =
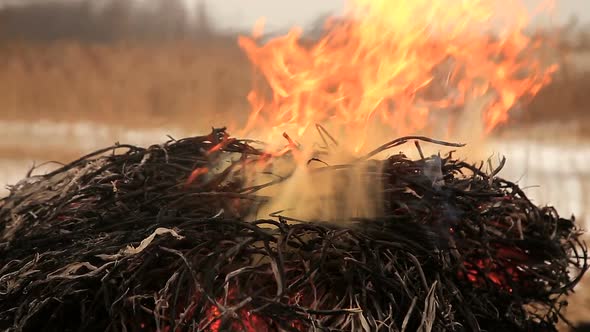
(126, 84)
(149, 85)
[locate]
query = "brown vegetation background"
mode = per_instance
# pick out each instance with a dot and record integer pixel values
(121, 65)
(71, 62)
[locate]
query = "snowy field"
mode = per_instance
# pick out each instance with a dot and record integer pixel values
(554, 173)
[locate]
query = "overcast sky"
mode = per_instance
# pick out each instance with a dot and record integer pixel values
(284, 13)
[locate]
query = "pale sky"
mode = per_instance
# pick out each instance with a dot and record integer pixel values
(278, 13)
(285, 13)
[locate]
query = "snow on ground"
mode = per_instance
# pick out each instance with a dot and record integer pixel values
(554, 174)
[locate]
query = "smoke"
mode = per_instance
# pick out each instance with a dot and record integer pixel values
(330, 181)
(338, 188)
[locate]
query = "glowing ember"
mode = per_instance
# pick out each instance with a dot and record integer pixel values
(395, 62)
(223, 316)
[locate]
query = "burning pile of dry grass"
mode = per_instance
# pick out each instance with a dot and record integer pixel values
(119, 242)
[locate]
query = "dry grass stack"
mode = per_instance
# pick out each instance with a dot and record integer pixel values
(116, 241)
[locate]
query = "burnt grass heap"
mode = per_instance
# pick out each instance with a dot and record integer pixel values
(120, 240)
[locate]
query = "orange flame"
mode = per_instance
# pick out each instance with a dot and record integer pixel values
(395, 61)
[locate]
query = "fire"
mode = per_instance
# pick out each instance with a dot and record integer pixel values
(386, 68)
(398, 63)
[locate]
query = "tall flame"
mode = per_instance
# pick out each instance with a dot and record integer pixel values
(398, 63)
